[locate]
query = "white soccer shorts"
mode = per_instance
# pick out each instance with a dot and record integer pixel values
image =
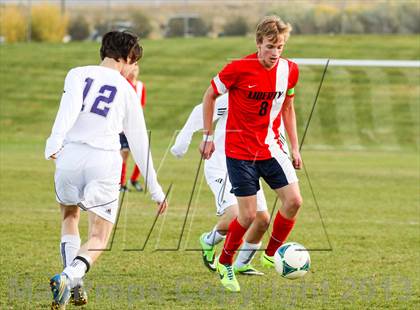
(218, 181)
(89, 176)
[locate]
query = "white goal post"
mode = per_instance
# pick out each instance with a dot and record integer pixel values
(357, 62)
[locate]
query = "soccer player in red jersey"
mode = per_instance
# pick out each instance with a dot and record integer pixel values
(261, 89)
(125, 148)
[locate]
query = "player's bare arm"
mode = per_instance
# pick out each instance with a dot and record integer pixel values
(289, 118)
(207, 145)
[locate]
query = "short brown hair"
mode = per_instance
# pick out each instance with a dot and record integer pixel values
(271, 27)
(121, 44)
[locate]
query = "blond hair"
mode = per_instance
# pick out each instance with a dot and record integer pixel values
(271, 27)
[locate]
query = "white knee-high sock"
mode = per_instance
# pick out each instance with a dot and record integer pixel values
(246, 254)
(69, 246)
(77, 269)
(213, 237)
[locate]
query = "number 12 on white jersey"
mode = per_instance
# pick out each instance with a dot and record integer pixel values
(105, 96)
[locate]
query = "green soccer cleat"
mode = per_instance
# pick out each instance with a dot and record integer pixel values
(248, 270)
(227, 277)
(60, 288)
(78, 296)
(208, 254)
(267, 261)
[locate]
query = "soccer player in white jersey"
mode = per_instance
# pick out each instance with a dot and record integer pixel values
(215, 171)
(97, 104)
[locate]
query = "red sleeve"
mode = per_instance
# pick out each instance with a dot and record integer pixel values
(143, 96)
(293, 79)
(225, 79)
(293, 75)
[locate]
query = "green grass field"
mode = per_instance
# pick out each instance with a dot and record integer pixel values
(361, 154)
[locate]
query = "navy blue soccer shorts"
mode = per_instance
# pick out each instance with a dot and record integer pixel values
(245, 174)
(124, 142)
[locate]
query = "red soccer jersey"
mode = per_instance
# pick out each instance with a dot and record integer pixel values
(140, 91)
(256, 96)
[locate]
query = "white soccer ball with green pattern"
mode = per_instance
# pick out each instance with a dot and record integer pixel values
(292, 260)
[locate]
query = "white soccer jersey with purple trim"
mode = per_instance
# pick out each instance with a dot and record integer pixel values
(98, 104)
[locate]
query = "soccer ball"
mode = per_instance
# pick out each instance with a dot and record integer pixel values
(292, 260)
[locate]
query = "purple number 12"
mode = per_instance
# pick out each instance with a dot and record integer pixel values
(106, 99)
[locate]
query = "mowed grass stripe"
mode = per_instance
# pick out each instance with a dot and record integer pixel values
(346, 115)
(403, 124)
(382, 108)
(327, 110)
(360, 84)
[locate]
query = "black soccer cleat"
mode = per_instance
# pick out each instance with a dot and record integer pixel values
(136, 185)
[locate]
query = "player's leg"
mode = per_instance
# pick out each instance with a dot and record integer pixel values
(101, 216)
(123, 182)
(281, 176)
(252, 244)
(70, 239)
(245, 185)
(285, 217)
(238, 227)
(226, 210)
(244, 178)
(253, 238)
(98, 236)
(69, 247)
(125, 151)
(68, 184)
(208, 240)
(134, 179)
(234, 237)
(97, 192)
(99, 232)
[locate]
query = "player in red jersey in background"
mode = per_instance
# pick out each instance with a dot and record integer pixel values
(261, 89)
(125, 148)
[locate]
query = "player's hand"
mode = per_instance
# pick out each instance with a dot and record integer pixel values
(179, 150)
(206, 149)
(296, 159)
(162, 206)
